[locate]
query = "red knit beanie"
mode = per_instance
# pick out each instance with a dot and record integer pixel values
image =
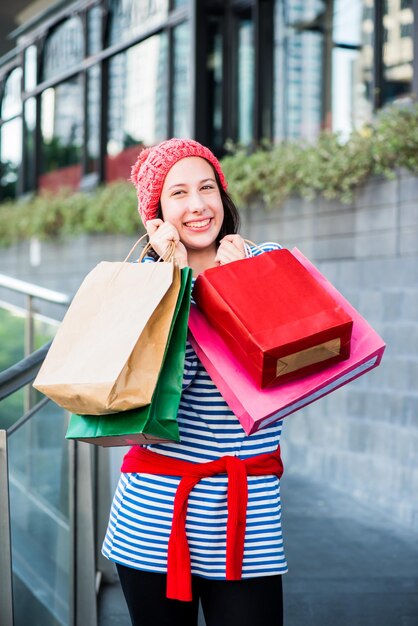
(152, 165)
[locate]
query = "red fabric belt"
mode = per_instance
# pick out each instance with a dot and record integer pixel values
(179, 582)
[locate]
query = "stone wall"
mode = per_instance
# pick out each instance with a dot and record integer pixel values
(381, 222)
(362, 438)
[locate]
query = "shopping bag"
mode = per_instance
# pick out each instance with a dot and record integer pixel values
(156, 422)
(256, 408)
(274, 316)
(108, 351)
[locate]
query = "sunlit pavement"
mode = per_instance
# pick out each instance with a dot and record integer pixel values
(347, 565)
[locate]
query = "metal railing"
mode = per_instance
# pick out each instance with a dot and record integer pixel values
(49, 497)
(31, 292)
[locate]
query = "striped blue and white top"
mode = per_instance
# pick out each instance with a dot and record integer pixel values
(141, 513)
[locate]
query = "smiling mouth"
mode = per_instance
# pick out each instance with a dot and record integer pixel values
(197, 225)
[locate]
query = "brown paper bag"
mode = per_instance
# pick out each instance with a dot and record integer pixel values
(109, 348)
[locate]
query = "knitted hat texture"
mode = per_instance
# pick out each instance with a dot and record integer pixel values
(153, 164)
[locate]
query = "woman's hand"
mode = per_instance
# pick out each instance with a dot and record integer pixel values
(161, 234)
(231, 248)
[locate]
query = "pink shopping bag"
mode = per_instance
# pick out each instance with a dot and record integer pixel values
(255, 407)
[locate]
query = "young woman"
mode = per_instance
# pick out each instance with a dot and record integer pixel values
(232, 566)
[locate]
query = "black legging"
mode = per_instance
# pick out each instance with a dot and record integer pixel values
(247, 602)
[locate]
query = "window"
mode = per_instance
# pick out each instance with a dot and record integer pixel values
(298, 69)
(29, 117)
(11, 135)
(12, 104)
(94, 30)
(29, 120)
(214, 66)
(10, 157)
(62, 134)
(181, 80)
(93, 119)
(64, 48)
(130, 18)
(352, 61)
(397, 52)
(245, 91)
(138, 97)
(30, 67)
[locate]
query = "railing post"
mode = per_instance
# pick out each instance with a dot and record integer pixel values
(29, 334)
(29, 346)
(72, 516)
(104, 494)
(84, 553)
(6, 585)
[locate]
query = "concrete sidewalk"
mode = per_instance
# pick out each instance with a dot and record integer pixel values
(347, 566)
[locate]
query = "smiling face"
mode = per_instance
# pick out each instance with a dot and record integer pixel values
(191, 201)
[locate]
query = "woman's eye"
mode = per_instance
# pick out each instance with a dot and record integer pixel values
(208, 187)
(178, 192)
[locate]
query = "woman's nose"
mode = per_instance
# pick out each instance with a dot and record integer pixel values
(197, 202)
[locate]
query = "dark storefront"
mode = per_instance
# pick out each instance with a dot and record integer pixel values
(91, 81)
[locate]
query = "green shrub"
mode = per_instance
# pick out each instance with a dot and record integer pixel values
(110, 209)
(329, 167)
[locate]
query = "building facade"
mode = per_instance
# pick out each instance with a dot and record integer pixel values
(89, 82)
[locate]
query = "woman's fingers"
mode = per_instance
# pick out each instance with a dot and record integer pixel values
(162, 230)
(230, 249)
(236, 240)
(153, 225)
(161, 235)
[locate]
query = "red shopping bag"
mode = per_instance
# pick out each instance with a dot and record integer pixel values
(256, 408)
(274, 316)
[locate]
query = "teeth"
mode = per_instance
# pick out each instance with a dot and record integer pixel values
(198, 224)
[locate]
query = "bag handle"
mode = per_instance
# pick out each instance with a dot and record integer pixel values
(135, 246)
(167, 256)
(251, 243)
(169, 253)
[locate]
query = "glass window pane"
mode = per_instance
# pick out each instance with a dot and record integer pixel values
(10, 157)
(12, 101)
(137, 103)
(214, 66)
(398, 51)
(181, 80)
(130, 18)
(298, 69)
(94, 30)
(64, 48)
(245, 81)
(30, 67)
(179, 3)
(93, 118)
(29, 138)
(62, 134)
(40, 525)
(352, 68)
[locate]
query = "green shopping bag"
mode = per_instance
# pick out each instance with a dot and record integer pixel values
(157, 421)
